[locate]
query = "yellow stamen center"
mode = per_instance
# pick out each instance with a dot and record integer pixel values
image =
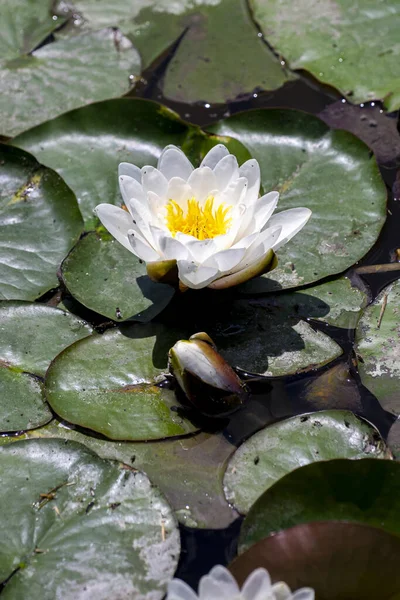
(202, 222)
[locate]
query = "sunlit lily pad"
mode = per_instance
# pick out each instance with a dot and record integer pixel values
(361, 491)
(85, 146)
(31, 336)
(336, 302)
(107, 278)
(330, 172)
(40, 223)
(187, 470)
(280, 448)
(338, 560)
(106, 383)
(378, 348)
(331, 40)
(212, 63)
(104, 73)
(75, 526)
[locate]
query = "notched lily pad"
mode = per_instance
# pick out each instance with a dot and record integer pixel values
(359, 491)
(79, 526)
(107, 278)
(330, 172)
(280, 448)
(378, 348)
(104, 73)
(31, 336)
(41, 222)
(107, 383)
(210, 62)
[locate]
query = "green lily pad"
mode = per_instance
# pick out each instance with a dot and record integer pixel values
(109, 61)
(24, 24)
(378, 348)
(107, 278)
(393, 439)
(280, 448)
(85, 146)
(212, 63)
(360, 491)
(22, 401)
(107, 383)
(102, 526)
(31, 336)
(335, 388)
(41, 222)
(330, 172)
(263, 338)
(188, 471)
(337, 560)
(339, 303)
(331, 39)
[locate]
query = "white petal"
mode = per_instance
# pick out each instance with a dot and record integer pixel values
(196, 277)
(154, 181)
(156, 205)
(226, 260)
(179, 191)
(142, 218)
(235, 193)
(227, 583)
(257, 586)
(172, 248)
(142, 249)
(264, 242)
(226, 171)
(214, 155)
(304, 594)
(117, 221)
(174, 163)
(130, 188)
(203, 183)
(199, 249)
(292, 221)
(251, 170)
(130, 170)
(282, 591)
(263, 209)
(179, 590)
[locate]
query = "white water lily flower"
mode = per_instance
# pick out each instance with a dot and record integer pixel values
(208, 223)
(219, 584)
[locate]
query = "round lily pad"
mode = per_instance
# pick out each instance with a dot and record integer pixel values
(104, 73)
(266, 338)
(331, 40)
(77, 526)
(31, 336)
(330, 172)
(361, 491)
(107, 383)
(378, 348)
(280, 448)
(41, 223)
(337, 560)
(107, 278)
(188, 471)
(211, 63)
(86, 145)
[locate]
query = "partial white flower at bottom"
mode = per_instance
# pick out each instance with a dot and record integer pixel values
(206, 226)
(219, 584)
